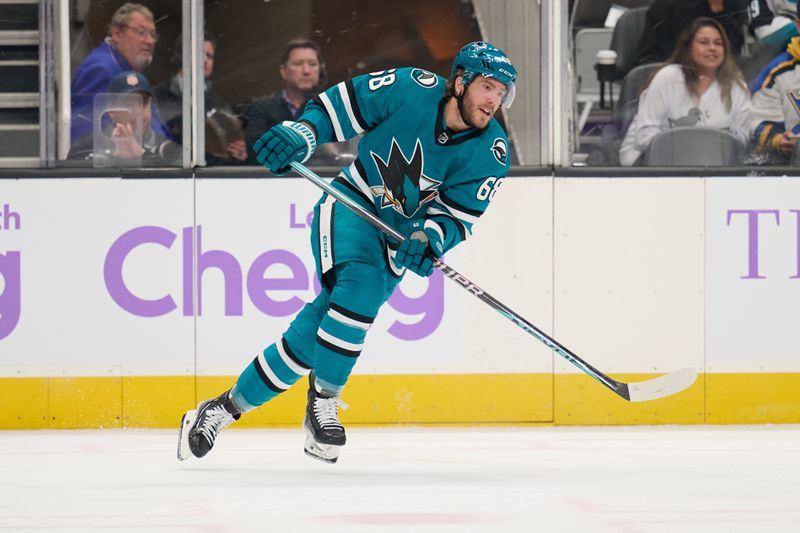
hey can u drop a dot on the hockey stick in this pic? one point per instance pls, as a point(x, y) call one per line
point(635, 392)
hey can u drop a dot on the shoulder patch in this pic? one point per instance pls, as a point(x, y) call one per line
point(500, 151)
point(424, 78)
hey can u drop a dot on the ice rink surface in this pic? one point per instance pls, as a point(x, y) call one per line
point(587, 479)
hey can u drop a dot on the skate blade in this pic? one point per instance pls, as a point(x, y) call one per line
point(183, 435)
point(323, 452)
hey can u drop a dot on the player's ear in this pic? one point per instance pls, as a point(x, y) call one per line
point(459, 86)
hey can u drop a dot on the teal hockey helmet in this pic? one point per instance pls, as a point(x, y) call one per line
point(483, 58)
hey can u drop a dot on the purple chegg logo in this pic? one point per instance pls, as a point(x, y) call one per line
point(273, 296)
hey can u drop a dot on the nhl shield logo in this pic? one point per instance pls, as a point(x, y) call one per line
point(500, 151)
point(424, 78)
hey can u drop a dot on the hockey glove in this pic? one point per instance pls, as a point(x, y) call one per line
point(284, 143)
point(417, 252)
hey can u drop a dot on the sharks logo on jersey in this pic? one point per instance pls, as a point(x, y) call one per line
point(500, 151)
point(424, 78)
point(406, 188)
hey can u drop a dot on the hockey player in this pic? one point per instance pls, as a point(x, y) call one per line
point(428, 162)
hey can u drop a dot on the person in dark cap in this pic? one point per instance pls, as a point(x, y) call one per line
point(130, 130)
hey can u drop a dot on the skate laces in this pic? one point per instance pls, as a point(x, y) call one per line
point(325, 411)
point(214, 420)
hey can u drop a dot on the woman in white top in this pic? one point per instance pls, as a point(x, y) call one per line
point(699, 85)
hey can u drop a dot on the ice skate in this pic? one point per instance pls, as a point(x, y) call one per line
point(200, 427)
point(324, 433)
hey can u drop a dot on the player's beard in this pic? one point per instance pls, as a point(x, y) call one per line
point(464, 118)
point(465, 109)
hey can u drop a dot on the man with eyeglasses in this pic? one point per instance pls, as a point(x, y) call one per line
point(129, 45)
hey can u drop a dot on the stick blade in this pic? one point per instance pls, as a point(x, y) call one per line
point(662, 386)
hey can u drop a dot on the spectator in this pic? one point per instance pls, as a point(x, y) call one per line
point(130, 131)
point(667, 19)
point(772, 21)
point(169, 101)
point(775, 119)
point(302, 72)
point(128, 46)
point(699, 86)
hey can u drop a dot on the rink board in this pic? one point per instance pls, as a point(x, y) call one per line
point(61, 403)
point(127, 301)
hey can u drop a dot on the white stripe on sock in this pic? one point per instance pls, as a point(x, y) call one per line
point(324, 335)
point(294, 367)
point(262, 362)
point(347, 321)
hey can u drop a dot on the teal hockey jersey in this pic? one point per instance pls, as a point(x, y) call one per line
point(410, 167)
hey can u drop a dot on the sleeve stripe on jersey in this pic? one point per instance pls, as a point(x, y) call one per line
point(430, 224)
point(448, 202)
point(462, 227)
point(442, 222)
point(348, 108)
point(337, 127)
point(777, 70)
point(351, 104)
point(395, 271)
point(351, 92)
point(452, 204)
point(763, 133)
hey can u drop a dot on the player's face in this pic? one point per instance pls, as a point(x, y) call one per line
point(301, 71)
point(136, 40)
point(482, 99)
point(708, 50)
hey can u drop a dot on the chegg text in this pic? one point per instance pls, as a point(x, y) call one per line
point(271, 295)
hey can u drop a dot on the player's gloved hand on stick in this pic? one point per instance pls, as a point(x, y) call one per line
point(418, 251)
point(284, 143)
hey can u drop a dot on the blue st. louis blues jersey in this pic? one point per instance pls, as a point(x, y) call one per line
point(410, 167)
